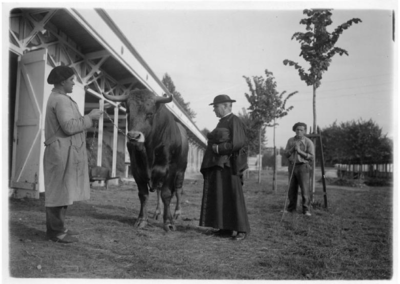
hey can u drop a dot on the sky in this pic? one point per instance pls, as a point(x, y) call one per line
point(207, 49)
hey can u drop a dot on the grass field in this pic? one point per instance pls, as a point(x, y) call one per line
point(352, 240)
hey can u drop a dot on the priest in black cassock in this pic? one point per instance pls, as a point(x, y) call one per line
point(223, 206)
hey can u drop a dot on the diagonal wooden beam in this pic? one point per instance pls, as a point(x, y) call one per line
point(37, 26)
point(96, 67)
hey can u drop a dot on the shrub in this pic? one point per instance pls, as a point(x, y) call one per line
point(341, 182)
point(378, 182)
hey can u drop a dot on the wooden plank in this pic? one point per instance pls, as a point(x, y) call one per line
point(321, 150)
point(100, 136)
point(23, 185)
point(25, 193)
point(115, 145)
point(97, 54)
point(27, 122)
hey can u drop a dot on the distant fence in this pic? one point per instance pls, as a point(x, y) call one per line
point(254, 163)
point(370, 170)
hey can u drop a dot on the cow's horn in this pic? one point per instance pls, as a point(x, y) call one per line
point(163, 100)
point(121, 98)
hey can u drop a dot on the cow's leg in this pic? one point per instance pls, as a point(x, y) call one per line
point(141, 221)
point(178, 194)
point(178, 185)
point(157, 213)
point(166, 196)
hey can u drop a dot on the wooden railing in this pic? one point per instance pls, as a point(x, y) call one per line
point(370, 170)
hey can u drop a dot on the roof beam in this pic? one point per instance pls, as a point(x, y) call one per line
point(131, 80)
point(97, 54)
point(105, 31)
point(37, 26)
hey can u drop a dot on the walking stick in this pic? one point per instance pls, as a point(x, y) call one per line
point(290, 181)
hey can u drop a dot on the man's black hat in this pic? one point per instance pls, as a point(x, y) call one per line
point(59, 74)
point(222, 99)
point(299, 124)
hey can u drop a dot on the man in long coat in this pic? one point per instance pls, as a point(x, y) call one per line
point(66, 175)
point(223, 205)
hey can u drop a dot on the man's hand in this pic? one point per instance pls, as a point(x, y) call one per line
point(297, 148)
point(95, 114)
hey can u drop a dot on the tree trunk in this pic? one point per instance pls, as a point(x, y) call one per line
point(360, 171)
point(260, 157)
point(247, 173)
point(274, 185)
point(314, 132)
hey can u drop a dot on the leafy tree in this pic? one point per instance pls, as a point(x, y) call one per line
point(252, 130)
point(169, 84)
point(356, 142)
point(334, 144)
point(285, 161)
point(385, 150)
point(318, 48)
point(268, 160)
point(266, 104)
point(362, 139)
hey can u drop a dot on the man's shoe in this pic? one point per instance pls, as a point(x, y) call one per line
point(64, 239)
point(307, 213)
point(239, 237)
point(71, 233)
point(287, 211)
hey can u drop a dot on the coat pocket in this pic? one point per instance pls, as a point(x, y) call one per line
point(74, 169)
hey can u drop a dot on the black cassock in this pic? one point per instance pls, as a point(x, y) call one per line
point(223, 205)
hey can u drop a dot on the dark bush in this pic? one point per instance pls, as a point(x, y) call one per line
point(378, 182)
point(341, 182)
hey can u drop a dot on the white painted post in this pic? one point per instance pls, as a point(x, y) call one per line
point(198, 158)
point(190, 157)
point(100, 138)
point(115, 148)
point(126, 150)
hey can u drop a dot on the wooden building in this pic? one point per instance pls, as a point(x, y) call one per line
point(90, 42)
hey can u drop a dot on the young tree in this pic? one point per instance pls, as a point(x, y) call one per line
point(252, 130)
point(266, 105)
point(169, 84)
point(317, 48)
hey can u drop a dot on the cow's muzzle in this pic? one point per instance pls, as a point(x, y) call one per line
point(136, 136)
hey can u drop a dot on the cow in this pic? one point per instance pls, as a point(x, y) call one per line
point(158, 149)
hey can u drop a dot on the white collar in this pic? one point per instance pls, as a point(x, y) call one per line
point(226, 115)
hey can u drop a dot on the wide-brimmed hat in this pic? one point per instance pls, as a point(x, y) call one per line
point(222, 99)
point(59, 74)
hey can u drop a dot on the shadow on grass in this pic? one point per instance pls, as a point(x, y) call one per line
point(23, 233)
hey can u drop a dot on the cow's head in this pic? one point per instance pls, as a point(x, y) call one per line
point(141, 107)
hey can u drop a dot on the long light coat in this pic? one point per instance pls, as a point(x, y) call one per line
point(66, 172)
